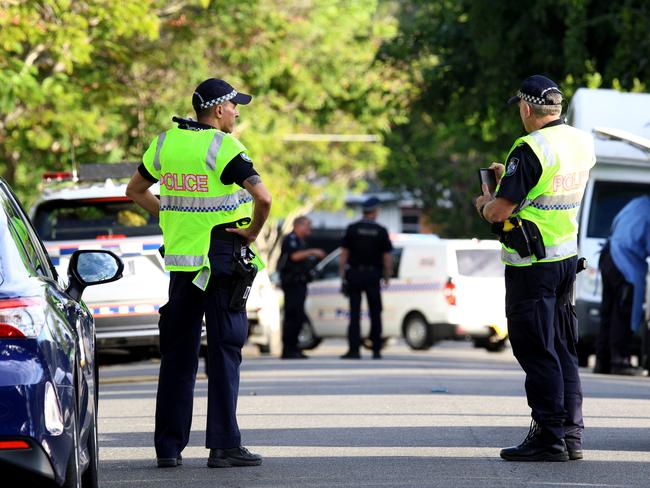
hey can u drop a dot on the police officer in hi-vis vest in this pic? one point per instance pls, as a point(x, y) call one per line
point(534, 211)
point(212, 205)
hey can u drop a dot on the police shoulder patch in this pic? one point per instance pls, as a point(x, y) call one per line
point(245, 157)
point(513, 164)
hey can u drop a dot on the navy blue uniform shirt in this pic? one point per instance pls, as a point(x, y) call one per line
point(367, 241)
point(293, 271)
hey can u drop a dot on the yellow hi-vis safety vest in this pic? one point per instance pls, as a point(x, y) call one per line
point(566, 155)
point(188, 165)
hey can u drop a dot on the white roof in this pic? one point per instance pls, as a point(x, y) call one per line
point(591, 108)
point(76, 191)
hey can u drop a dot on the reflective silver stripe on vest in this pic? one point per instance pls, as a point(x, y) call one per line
point(523, 205)
point(202, 278)
point(550, 156)
point(553, 253)
point(557, 202)
point(213, 150)
point(156, 158)
point(183, 260)
point(205, 204)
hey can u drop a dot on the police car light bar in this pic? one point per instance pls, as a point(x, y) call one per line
point(634, 140)
point(94, 172)
point(51, 176)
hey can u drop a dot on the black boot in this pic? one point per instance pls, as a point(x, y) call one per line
point(351, 355)
point(235, 456)
point(622, 365)
point(575, 453)
point(602, 366)
point(535, 447)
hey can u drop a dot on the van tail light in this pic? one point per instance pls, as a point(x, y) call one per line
point(21, 317)
point(450, 292)
point(7, 445)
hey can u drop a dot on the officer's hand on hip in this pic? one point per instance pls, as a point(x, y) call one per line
point(246, 234)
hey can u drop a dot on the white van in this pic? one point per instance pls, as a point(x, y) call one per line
point(440, 289)
point(622, 172)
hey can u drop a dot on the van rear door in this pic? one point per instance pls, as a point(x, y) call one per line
point(477, 283)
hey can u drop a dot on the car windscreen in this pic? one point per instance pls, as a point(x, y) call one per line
point(609, 197)
point(484, 263)
point(93, 218)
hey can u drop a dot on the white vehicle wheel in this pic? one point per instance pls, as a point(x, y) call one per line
point(417, 332)
point(307, 338)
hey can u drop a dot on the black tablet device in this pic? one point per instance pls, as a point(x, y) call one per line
point(489, 177)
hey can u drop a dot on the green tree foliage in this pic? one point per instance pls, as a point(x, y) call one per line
point(47, 110)
point(465, 58)
point(94, 80)
point(98, 80)
point(311, 68)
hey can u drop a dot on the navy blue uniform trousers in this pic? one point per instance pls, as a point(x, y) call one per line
point(295, 295)
point(615, 333)
point(542, 328)
point(180, 339)
point(367, 281)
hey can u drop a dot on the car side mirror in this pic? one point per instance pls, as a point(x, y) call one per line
point(89, 267)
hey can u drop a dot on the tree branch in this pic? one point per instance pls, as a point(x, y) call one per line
point(171, 9)
point(32, 57)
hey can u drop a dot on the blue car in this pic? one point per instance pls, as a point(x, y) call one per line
point(48, 377)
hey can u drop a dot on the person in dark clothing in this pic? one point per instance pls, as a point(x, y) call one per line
point(623, 268)
point(294, 265)
point(365, 259)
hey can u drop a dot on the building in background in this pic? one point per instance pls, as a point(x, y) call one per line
point(399, 213)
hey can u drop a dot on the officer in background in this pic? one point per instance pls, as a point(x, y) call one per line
point(294, 265)
point(534, 211)
point(212, 205)
point(365, 259)
point(624, 269)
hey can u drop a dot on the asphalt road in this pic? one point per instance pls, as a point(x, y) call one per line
point(420, 419)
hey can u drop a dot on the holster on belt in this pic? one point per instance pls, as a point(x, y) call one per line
point(523, 236)
point(244, 271)
point(244, 274)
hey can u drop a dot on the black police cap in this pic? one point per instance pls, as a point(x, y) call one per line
point(371, 203)
point(213, 91)
point(535, 89)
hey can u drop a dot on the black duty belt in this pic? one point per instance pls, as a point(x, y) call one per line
point(364, 268)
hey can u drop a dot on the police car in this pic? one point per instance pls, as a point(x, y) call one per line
point(90, 210)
